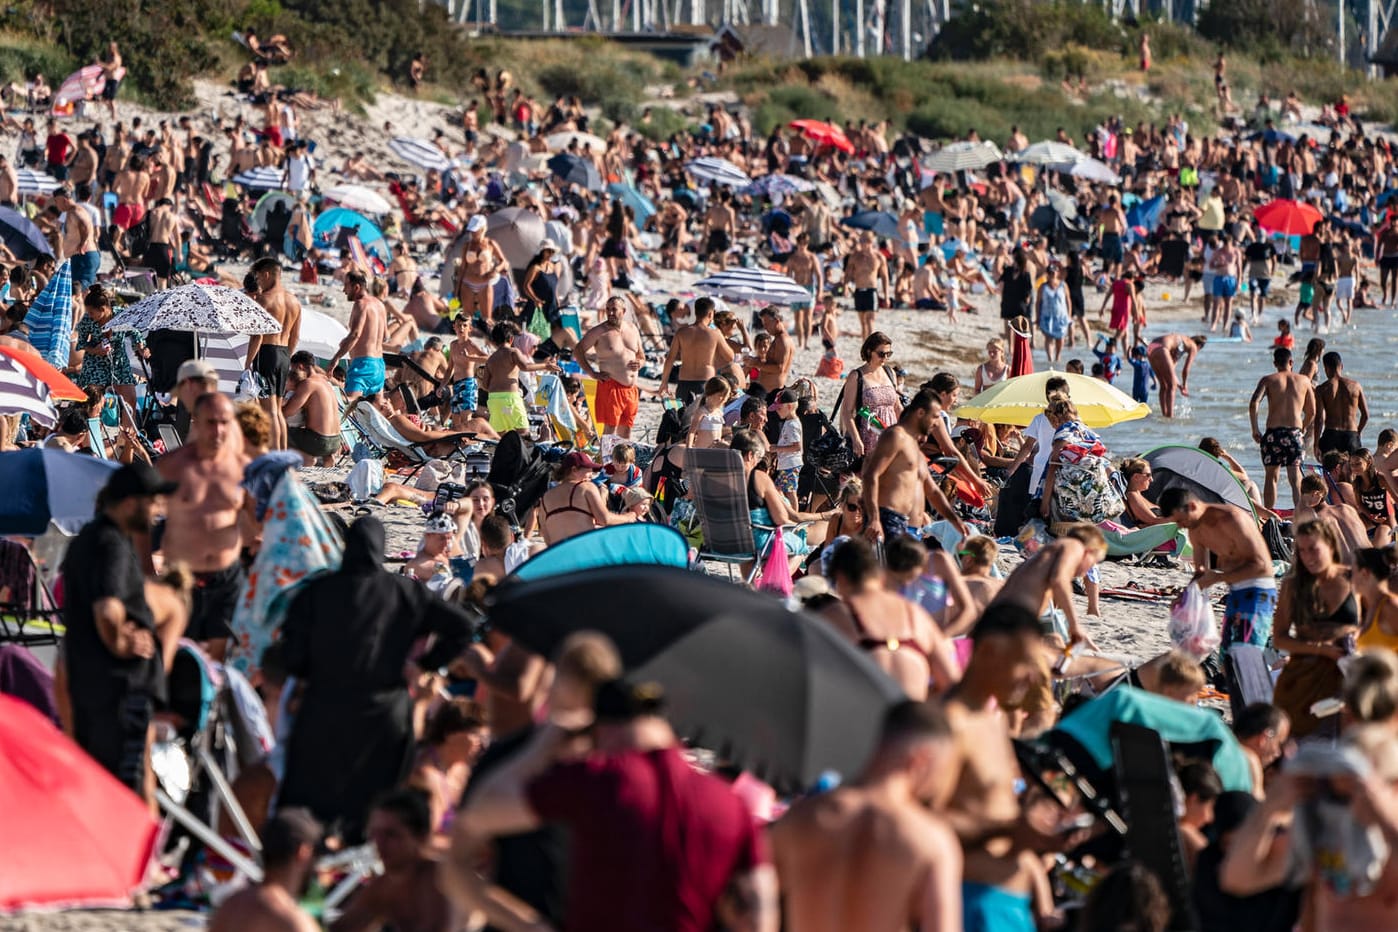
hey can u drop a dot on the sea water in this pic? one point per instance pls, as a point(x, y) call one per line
point(1225, 374)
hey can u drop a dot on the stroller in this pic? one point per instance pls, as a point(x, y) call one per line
point(215, 726)
point(519, 475)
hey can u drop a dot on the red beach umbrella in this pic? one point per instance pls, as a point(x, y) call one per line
point(827, 134)
point(70, 834)
point(1291, 218)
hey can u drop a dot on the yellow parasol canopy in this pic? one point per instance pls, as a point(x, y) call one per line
point(1018, 400)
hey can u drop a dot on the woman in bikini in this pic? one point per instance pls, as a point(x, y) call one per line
point(1375, 505)
point(453, 740)
point(576, 505)
point(479, 271)
point(898, 636)
point(1373, 568)
point(1140, 511)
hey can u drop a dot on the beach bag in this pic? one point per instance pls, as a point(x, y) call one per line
point(251, 387)
point(1192, 625)
point(1084, 491)
point(539, 324)
point(776, 571)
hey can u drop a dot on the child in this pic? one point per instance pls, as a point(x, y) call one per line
point(1141, 374)
point(1074, 366)
point(829, 321)
point(622, 472)
point(1285, 338)
point(496, 537)
point(788, 447)
point(1110, 361)
point(977, 557)
point(706, 424)
point(1307, 298)
point(1122, 298)
point(830, 366)
point(1098, 372)
point(1239, 328)
point(761, 345)
point(951, 290)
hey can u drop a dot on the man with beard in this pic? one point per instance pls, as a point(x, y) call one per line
point(617, 356)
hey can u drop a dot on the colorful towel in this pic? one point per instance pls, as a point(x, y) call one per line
point(50, 317)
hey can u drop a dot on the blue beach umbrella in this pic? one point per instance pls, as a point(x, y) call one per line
point(44, 485)
point(880, 222)
point(575, 170)
point(638, 202)
point(21, 236)
point(50, 317)
point(337, 218)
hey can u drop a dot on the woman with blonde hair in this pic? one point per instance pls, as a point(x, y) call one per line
point(996, 367)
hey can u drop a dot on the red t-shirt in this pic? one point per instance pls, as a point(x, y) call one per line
point(654, 842)
point(56, 148)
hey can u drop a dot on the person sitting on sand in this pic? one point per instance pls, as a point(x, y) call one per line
point(1043, 583)
point(289, 841)
point(978, 555)
point(405, 895)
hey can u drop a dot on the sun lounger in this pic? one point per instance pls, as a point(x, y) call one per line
point(29, 614)
point(380, 434)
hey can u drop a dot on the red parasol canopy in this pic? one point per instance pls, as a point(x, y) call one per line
point(70, 834)
point(827, 134)
point(1291, 218)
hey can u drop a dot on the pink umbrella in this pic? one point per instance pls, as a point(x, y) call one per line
point(84, 84)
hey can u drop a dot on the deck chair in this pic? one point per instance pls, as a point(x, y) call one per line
point(720, 497)
point(1249, 678)
point(29, 614)
point(1147, 801)
point(379, 433)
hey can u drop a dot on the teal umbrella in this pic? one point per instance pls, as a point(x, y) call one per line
point(628, 195)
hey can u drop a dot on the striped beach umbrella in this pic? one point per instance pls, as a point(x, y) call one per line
point(50, 317)
point(1047, 152)
point(757, 286)
point(32, 183)
point(262, 178)
point(84, 84)
point(963, 156)
point(718, 171)
point(419, 153)
point(23, 393)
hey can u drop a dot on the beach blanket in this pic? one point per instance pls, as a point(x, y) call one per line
point(298, 542)
point(1143, 539)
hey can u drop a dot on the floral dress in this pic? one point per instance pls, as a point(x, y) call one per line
point(112, 369)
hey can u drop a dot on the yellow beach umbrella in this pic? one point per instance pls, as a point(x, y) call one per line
point(1018, 400)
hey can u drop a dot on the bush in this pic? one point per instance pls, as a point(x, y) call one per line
point(21, 59)
point(661, 123)
point(1023, 29)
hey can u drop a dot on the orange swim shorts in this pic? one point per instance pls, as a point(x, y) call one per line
point(617, 403)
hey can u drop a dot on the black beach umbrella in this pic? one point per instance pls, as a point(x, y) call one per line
point(770, 689)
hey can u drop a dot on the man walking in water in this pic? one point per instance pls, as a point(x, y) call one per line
point(1341, 410)
point(1290, 410)
point(832, 880)
point(616, 347)
point(269, 355)
point(701, 352)
point(363, 344)
point(203, 523)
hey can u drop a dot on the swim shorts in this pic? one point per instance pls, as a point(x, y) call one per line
point(1247, 616)
point(1260, 285)
point(465, 395)
point(1282, 446)
point(991, 909)
point(507, 411)
point(686, 390)
point(127, 216)
point(893, 523)
point(866, 300)
point(365, 375)
point(273, 363)
point(311, 443)
point(617, 403)
point(1389, 263)
point(213, 601)
point(1346, 441)
point(1344, 288)
point(1111, 247)
point(1225, 286)
point(787, 480)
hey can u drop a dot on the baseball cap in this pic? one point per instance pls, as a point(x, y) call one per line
point(475, 224)
point(577, 459)
point(196, 369)
point(136, 479)
point(440, 524)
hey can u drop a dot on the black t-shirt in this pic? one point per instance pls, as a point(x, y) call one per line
point(1273, 910)
point(1016, 289)
point(102, 563)
point(1259, 251)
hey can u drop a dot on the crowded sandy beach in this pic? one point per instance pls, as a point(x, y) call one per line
point(426, 521)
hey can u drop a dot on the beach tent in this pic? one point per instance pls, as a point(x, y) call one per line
point(265, 205)
point(1181, 466)
point(1146, 215)
point(619, 545)
point(328, 225)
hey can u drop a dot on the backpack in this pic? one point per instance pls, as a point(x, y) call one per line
point(1085, 491)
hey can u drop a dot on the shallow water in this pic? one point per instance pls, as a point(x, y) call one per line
point(1225, 375)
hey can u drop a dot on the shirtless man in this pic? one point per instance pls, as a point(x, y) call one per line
point(311, 412)
point(427, 310)
point(477, 272)
point(1348, 525)
point(775, 368)
point(205, 518)
point(866, 270)
point(833, 880)
point(115, 158)
point(289, 841)
point(1240, 558)
point(719, 224)
point(616, 346)
point(895, 470)
point(1291, 407)
point(130, 187)
point(1387, 254)
point(804, 268)
point(500, 379)
point(9, 183)
point(164, 227)
point(1001, 849)
point(701, 352)
point(269, 355)
point(364, 343)
point(403, 270)
point(79, 240)
point(1341, 410)
point(405, 896)
point(1043, 583)
point(83, 170)
point(465, 355)
point(1112, 220)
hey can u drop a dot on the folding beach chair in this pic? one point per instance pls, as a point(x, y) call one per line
point(380, 434)
point(719, 487)
point(29, 614)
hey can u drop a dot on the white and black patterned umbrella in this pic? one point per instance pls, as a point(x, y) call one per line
point(262, 178)
point(419, 153)
point(758, 286)
point(32, 182)
point(963, 156)
point(202, 308)
point(778, 183)
point(23, 393)
point(718, 171)
point(1047, 152)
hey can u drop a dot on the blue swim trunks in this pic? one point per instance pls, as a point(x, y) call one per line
point(365, 375)
point(1225, 286)
point(1247, 616)
point(465, 396)
point(990, 909)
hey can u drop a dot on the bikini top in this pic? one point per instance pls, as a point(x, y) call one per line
point(550, 512)
point(869, 643)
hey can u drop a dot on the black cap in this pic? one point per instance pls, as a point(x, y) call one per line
point(136, 479)
point(787, 397)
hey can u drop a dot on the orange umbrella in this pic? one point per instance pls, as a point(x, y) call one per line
point(61, 388)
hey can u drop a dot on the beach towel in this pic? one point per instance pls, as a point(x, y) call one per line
point(50, 317)
point(1143, 540)
point(298, 542)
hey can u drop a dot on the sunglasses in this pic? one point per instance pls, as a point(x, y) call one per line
point(852, 508)
point(883, 354)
